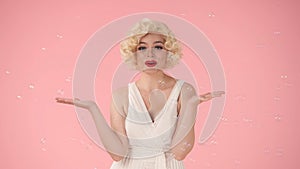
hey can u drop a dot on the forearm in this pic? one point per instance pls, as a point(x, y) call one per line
point(184, 135)
point(186, 121)
point(115, 144)
point(184, 147)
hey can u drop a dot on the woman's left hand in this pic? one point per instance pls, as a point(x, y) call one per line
point(208, 96)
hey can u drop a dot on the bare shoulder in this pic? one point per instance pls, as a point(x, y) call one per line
point(120, 99)
point(188, 99)
point(188, 90)
point(120, 93)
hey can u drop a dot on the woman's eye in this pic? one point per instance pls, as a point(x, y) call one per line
point(158, 47)
point(141, 48)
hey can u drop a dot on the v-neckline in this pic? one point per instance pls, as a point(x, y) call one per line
point(153, 120)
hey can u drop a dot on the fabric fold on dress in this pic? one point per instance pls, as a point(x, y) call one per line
point(149, 140)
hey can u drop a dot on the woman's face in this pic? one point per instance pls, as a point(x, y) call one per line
point(151, 53)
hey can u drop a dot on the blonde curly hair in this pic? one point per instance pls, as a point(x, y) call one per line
point(142, 28)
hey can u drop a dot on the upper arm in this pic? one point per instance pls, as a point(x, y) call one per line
point(184, 135)
point(188, 99)
point(117, 118)
point(118, 110)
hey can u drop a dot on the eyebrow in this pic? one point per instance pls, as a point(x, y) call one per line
point(153, 42)
point(158, 42)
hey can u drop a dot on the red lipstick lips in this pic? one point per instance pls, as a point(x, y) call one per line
point(150, 63)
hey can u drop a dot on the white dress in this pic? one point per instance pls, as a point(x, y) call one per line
point(149, 140)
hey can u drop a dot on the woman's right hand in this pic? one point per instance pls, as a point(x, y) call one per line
point(87, 104)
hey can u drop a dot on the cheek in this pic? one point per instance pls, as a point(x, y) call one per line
point(140, 60)
point(162, 60)
point(140, 63)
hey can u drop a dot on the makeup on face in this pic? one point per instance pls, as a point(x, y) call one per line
point(151, 53)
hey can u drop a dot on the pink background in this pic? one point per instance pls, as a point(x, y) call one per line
point(257, 44)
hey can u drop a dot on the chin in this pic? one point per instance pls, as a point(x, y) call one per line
point(152, 70)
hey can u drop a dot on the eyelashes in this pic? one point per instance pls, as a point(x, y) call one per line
point(157, 47)
point(141, 48)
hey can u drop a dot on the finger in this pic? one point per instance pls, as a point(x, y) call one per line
point(64, 100)
point(220, 92)
point(205, 95)
point(208, 96)
point(61, 98)
point(76, 99)
point(58, 98)
point(208, 93)
point(217, 93)
point(205, 98)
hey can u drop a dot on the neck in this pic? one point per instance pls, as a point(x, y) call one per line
point(152, 79)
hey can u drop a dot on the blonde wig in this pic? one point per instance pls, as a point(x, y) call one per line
point(145, 26)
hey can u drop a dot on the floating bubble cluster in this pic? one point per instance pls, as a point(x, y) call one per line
point(211, 15)
point(59, 36)
point(31, 86)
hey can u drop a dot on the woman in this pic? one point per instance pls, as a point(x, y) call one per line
point(152, 119)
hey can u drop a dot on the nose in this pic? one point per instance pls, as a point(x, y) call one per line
point(150, 52)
